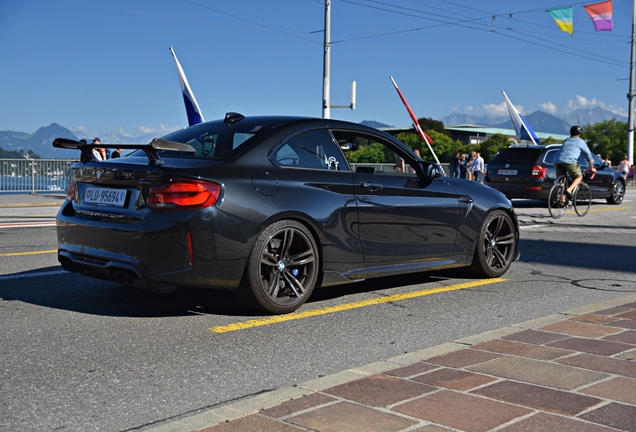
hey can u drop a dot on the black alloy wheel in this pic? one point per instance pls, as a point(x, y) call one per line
point(496, 246)
point(282, 269)
point(618, 193)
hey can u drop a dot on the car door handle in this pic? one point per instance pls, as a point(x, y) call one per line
point(466, 199)
point(371, 186)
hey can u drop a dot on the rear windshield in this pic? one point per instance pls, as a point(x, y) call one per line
point(516, 155)
point(215, 140)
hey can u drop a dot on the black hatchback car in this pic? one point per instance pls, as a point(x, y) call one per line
point(527, 171)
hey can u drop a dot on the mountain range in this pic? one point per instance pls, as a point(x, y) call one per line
point(539, 120)
point(40, 141)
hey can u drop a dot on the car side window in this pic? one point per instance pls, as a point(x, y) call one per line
point(313, 149)
point(549, 156)
point(371, 154)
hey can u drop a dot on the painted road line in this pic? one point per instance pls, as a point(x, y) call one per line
point(347, 306)
point(598, 210)
point(27, 253)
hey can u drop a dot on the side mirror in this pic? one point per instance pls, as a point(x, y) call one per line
point(431, 170)
point(349, 145)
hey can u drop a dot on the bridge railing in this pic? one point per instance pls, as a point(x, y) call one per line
point(46, 175)
point(34, 175)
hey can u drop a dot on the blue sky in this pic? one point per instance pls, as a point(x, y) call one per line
point(104, 65)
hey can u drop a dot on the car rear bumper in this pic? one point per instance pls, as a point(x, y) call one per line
point(532, 191)
point(157, 253)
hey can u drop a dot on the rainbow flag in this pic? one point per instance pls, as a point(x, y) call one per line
point(564, 18)
point(601, 14)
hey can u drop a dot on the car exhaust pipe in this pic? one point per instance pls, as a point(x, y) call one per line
point(129, 280)
point(68, 265)
point(118, 277)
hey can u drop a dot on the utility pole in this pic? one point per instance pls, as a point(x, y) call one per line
point(326, 98)
point(630, 95)
point(326, 90)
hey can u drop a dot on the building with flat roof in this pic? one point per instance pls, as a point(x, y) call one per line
point(476, 134)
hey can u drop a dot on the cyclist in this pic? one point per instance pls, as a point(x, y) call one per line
point(567, 159)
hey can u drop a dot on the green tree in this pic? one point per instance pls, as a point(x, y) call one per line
point(492, 145)
point(428, 124)
point(607, 138)
point(368, 153)
point(411, 139)
point(17, 154)
point(443, 146)
point(550, 140)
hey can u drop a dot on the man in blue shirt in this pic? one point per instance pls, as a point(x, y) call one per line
point(478, 167)
point(567, 159)
point(456, 165)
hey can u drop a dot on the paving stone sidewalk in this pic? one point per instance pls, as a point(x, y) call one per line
point(574, 371)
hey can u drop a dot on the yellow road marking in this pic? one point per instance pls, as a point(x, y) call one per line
point(27, 253)
point(610, 209)
point(347, 306)
point(593, 210)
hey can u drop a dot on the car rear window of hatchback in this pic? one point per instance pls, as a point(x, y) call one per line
point(519, 155)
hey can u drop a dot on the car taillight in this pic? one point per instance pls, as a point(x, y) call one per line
point(70, 190)
point(181, 193)
point(538, 172)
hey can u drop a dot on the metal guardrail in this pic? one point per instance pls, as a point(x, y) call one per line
point(34, 175)
point(46, 175)
point(389, 167)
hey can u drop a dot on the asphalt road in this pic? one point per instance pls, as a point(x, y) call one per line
point(83, 354)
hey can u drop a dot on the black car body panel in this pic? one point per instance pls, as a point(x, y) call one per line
point(527, 171)
point(365, 221)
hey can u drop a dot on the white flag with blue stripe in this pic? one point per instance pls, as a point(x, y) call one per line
point(191, 105)
point(524, 131)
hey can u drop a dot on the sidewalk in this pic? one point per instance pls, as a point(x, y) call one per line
point(574, 371)
point(17, 200)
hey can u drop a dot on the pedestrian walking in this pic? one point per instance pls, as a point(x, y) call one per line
point(624, 167)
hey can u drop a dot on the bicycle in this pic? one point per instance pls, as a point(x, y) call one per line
point(581, 198)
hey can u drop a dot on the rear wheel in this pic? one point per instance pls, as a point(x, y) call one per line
point(555, 200)
point(582, 199)
point(282, 269)
point(496, 245)
point(618, 193)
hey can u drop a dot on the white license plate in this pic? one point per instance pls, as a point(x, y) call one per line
point(507, 172)
point(105, 196)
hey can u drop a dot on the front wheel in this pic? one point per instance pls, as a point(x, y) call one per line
point(281, 270)
point(582, 199)
point(496, 245)
point(556, 206)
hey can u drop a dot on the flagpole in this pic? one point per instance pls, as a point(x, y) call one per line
point(630, 95)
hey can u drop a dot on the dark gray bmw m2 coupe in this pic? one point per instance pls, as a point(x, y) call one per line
point(272, 207)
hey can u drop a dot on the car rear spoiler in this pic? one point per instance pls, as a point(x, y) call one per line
point(150, 149)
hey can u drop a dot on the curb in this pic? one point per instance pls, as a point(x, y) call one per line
point(42, 204)
point(252, 405)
